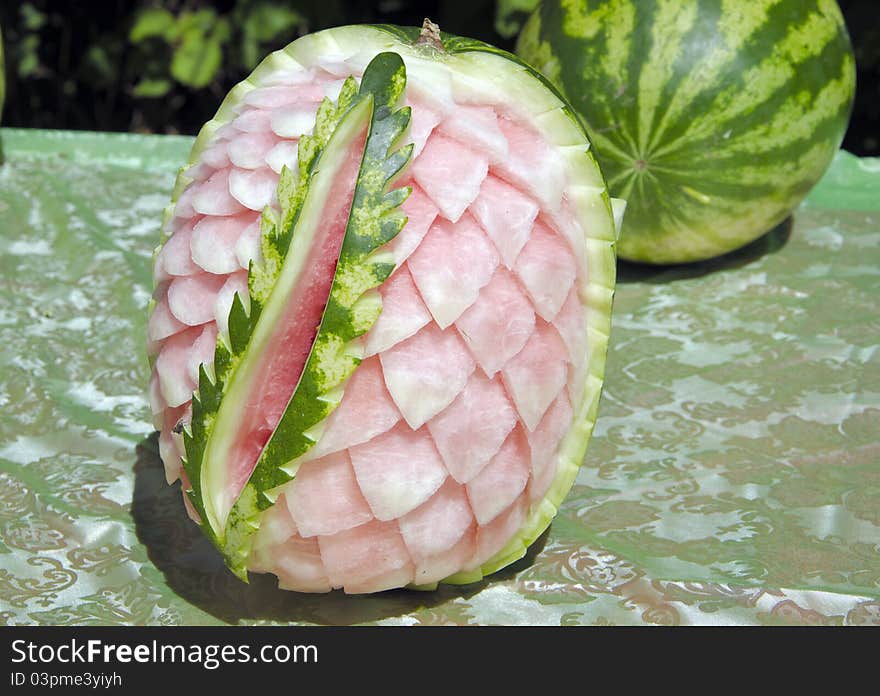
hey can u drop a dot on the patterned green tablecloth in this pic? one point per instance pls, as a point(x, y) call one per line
point(734, 476)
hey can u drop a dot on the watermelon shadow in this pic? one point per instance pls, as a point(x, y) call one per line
point(766, 244)
point(194, 570)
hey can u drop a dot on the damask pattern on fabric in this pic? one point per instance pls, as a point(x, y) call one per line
point(733, 476)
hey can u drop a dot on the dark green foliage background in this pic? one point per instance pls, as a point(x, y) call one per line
point(163, 67)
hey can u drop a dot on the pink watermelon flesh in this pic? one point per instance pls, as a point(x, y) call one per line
point(368, 558)
point(493, 536)
point(191, 298)
point(366, 411)
point(543, 441)
point(498, 324)
point(449, 429)
point(403, 313)
point(547, 269)
point(276, 527)
point(328, 498)
point(398, 470)
point(214, 197)
point(502, 480)
point(299, 565)
point(214, 239)
point(451, 265)
point(436, 525)
point(420, 212)
point(446, 563)
point(162, 322)
point(472, 429)
point(506, 215)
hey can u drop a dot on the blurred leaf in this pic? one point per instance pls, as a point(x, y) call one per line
point(32, 18)
point(264, 23)
point(28, 56)
point(152, 22)
point(222, 30)
point(510, 15)
point(151, 89)
point(197, 59)
point(99, 63)
point(267, 20)
point(203, 21)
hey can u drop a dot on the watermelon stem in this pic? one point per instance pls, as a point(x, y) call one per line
point(430, 36)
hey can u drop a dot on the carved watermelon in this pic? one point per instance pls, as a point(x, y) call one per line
point(381, 312)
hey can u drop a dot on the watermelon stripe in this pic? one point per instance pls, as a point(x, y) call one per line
point(741, 90)
point(757, 93)
point(641, 36)
point(609, 148)
point(697, 83)
point(620, 23)
point(728, 197)
point(694, 90)
point(597, 53)
point(669, 26)
point(806, 116)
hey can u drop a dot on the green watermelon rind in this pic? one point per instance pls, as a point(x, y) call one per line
point(468, 62)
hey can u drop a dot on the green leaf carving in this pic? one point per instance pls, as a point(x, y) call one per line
point(353, 305)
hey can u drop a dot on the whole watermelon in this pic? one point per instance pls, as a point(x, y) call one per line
point(713, 118)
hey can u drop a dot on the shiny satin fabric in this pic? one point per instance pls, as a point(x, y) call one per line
point(734, 476)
